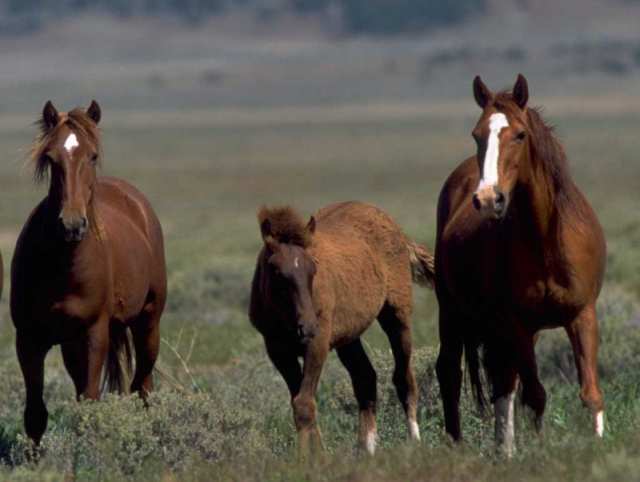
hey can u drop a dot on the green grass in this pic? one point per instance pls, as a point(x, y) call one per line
point(229, 416)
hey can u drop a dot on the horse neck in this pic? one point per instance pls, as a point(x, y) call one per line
point(538, 200)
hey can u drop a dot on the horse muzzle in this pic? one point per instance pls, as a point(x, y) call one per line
point(74, 228)
point(490, 201)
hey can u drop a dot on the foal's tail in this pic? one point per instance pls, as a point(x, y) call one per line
point(119, 366)
point(422, 265)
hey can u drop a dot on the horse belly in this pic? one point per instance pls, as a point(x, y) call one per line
point(131, 286)
point(358, 303)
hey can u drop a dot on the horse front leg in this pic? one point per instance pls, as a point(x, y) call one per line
point(583, 334)
point(304, 404)
point(31, 355)
point(449, 372)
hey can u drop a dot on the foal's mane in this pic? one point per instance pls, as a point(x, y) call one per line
point(285, 225)
point(546, 151)
point(78, 121)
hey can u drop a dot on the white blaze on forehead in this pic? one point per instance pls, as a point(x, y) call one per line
point(497, 122)
point(600, 423)
point(71, 143)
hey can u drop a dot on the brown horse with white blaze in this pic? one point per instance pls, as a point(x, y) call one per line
point(518, 250)
point(88, 265)
point(318, 286)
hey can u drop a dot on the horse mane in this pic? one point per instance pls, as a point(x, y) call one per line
point(546, 151)
point(78, 121)
point(285, 225)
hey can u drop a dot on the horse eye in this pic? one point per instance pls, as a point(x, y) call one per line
point(47, 158)
point(94, 159)
point(520, 136)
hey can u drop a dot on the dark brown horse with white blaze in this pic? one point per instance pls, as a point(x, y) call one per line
point(518, 250)
point(88, 265)
point(318, 286)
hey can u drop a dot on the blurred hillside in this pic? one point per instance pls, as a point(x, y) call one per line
point(375, 16)
point(170, 55)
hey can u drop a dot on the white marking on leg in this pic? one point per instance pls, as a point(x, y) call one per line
point(497, 122)
point(370, 442)
point(600, 424)
point(71, 143)
point(414, 430)
point(295, 262)
point(505, 435)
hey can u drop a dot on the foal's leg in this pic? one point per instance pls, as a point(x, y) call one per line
point(304, 404)
point(396, 324)
point(363, 379)
point(286, 362)
point(449, 371)
point(583, 334)
point(146, 340)
point(31, 355)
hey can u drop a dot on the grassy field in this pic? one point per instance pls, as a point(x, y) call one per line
point(221, 411)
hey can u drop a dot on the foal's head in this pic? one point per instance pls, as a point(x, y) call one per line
point(289, 269)
point(68, 148)
point(501, 136)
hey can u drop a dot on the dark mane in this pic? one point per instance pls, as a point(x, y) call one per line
point(285, 225)
point(545, 150)
point(78, 121)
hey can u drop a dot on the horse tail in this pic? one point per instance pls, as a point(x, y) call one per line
point(119, 366)
point(472, 358)
point(422, 265)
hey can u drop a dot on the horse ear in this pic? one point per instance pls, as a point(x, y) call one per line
point(481, 92)
point(311, 226)
point(50, 116)
point(94, 112)
point(521, 91)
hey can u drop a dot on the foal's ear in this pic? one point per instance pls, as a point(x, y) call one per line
point(481, 92)
point(50, 116)
point(521, 91)
point(268, 239)
point(94, 112)
point(310, 229)
point(265, 229)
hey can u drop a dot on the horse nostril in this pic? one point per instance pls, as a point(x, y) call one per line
point(84, 223)
point(476, 202)
point(499, 200)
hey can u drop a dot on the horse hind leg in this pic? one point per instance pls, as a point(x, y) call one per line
point(31, 357)
point(583, 334)
point(397, 326)
point(146, 340)
point(363, 379)
point(534, 395)
point(75, 355)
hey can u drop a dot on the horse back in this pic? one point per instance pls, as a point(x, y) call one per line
point(363, 263)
